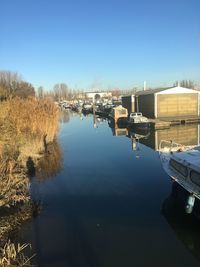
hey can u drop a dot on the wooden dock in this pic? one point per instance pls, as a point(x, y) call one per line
point(166, 123)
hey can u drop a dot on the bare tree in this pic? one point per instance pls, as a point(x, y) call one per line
point(11, 84)
point(40, 92)
point(185, 83)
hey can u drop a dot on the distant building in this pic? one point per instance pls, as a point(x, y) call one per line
point(97, 95)
point(165, 103)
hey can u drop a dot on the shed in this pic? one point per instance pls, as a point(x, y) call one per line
point(118, 112)
point(128, 102)
point(168, 102)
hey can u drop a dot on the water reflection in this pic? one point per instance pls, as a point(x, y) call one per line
point(116, 129)
point(185, 226)
point(97, 120)
point(51, 164)
point(64, 116)
point(182, 134)
point(103, 209)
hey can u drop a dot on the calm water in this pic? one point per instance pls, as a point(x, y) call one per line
point(111, 204)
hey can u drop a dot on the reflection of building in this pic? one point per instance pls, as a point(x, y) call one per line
point(164, 103)
point(120, 131)
point(188, 134)
point(116, 130)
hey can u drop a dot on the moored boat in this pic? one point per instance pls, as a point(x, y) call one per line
point(137, 120)
point(182, 164)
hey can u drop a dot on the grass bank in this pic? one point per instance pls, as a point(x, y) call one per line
point(27, 126)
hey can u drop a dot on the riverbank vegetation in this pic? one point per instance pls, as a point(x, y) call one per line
point(27, 125)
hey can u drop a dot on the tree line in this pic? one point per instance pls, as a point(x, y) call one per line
point(12, 85)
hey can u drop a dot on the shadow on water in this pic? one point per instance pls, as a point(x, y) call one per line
point(186, 226)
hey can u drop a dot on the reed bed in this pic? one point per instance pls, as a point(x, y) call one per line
point(13, 183)
point(12, 255)
point(30, 123)
point(26, 127)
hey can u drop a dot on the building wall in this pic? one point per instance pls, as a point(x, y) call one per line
point(128, 102)
point(145, 104)
point(177, 105)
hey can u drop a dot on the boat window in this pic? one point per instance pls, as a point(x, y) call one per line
point(195, 177)
point(179, 167)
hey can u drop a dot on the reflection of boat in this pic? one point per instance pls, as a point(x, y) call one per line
point(182, 164)
point(87, 108)
point(140, 131)
point(185, 227)
point(136, 120)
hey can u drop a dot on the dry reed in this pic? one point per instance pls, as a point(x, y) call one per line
point(13, 182)
point(26, 126)
point(12, 255)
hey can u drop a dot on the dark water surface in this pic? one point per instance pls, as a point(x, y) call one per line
point(110, 205)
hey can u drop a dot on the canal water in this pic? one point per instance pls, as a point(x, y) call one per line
point(106, 201)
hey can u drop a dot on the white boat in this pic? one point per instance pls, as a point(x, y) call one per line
point(137, 120)
point(182, 164)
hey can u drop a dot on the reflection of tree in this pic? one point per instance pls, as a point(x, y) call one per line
point(51, 163)
point(64, 116)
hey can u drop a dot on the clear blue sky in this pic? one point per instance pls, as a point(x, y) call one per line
point(104, 43)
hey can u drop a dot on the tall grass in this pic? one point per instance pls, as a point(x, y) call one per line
point(26, 126)
point(35, 117)
point(28, 123)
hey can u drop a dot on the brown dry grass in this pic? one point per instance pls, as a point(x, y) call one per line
point(23, 120)
point(12, 255)
point(13, 182)
point(26, 125)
